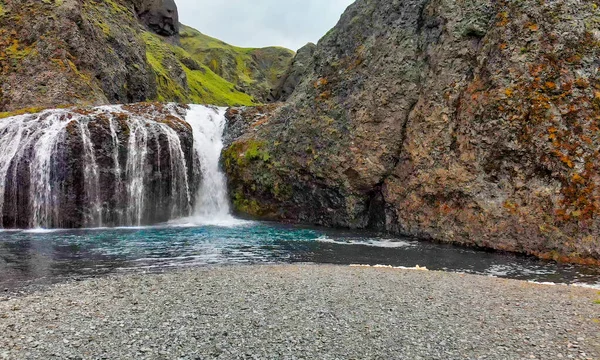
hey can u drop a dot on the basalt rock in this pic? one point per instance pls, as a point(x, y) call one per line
point(474, 122)
point(160, 16)
point(297, 71)
point(71, 52)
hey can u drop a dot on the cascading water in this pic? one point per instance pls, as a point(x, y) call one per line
point(108, 166)
point(129, 165)
point(212, 202)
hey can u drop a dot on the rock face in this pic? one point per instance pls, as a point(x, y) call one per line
point(473, 122)
point(71, 52)
point(160, 16)
point(299, 68)
point(108, 166)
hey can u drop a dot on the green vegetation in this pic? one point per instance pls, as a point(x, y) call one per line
point(32, 110)
point(110, 64)
point(246, 206)
point(243, 153)
point(201, 85)
point(254, 71)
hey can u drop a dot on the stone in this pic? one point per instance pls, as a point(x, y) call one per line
point(299, 67)
point(160, 16)
point(468, 122)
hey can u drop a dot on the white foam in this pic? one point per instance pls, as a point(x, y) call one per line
point(40, 231)
point(506, 270)
point(418, 268)
point(200, 221)
point(587, 286)
point(367, 242)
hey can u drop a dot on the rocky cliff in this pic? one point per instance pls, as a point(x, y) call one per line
point(475, 122)
point(296, 71)
point(86, 52)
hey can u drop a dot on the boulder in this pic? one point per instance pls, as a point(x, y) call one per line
point(160, 16)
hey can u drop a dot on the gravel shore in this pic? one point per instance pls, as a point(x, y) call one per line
point(301, 312)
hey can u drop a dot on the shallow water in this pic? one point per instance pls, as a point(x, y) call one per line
point(43, 257)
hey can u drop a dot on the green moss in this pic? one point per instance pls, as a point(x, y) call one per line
point(31, 110)
point(597, 302)
point(203, 86)
point(257, 70)
point(243, 153)
point(247, 206)
point(208, 87)
point(256, 152)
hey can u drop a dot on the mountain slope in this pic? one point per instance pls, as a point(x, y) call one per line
point(253, 71)
point(181, 79)
point(87, 52)
point(473, 122)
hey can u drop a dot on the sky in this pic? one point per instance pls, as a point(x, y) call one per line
point(260, 23)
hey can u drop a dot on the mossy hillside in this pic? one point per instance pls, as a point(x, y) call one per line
point(92, 53)
point(57, 52)
point(177, 82)
point(253, 70)
point(68, 52)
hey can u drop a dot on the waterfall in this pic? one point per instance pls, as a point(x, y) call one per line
point(136, 161)
point(212, 201)
point(129, 165)
point(106, 166)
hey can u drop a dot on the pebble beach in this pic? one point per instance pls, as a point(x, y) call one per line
point(301, 312)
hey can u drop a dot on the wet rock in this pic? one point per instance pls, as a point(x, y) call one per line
point(130, 165)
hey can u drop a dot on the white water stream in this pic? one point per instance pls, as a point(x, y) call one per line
point(212, 202)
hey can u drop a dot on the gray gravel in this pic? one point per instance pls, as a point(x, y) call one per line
point(301, 312)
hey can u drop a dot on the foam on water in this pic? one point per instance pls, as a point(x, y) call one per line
point(225, 221)
point(40, 231)
point(382, 243)
point(505, 270)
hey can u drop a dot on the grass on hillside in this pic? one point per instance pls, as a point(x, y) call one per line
point(203, 85)
point(250, 68)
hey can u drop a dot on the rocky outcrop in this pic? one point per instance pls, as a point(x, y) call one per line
point(299, 68)
point(473, 122)
point(160, 16)
point(71, 52)
point(91, 167)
